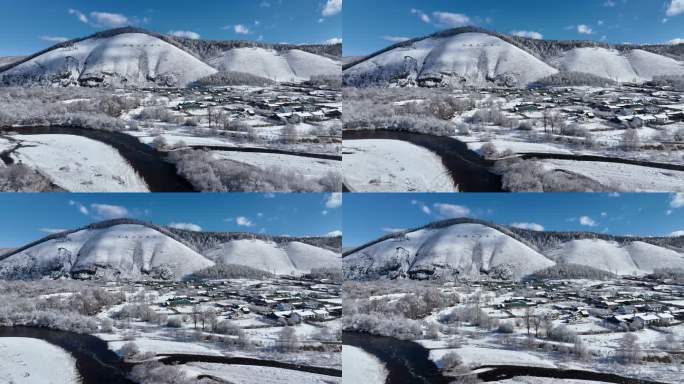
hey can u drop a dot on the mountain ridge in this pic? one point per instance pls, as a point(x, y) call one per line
point(473, 56)
point(138, 57)
point(470, 247)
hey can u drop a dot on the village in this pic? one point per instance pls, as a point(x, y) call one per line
point(253, 115)
point(286, 320)
point(629, 326)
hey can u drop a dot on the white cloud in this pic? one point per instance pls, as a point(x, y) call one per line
point(584, 29)
point(677, 200)
point(335, 233)
point(393, 230)
point(668, 212)
point(588, 221)
point(324, 212)
point(241, 29)
point(604, 214)
point(332, 7)
point(421, 15)
point(677, 233)
point(609, 3)
point(243, 221)
point(81, 208)
point(531, 226)
point(107, 19)
point(395, 39)
point(51, 231)
point(269, 195)
point(600, 22)
point(334, 40)
point(451, 210)
point(54, 39)
point(676, 41)
point(675, 8)
point(108, 211)
point(451, 19)
point(186, 226)
point(186, 34)
point(614, 194)
point(265, 4)
point(334, 200)
point(426, 210)
point(80, 15)
point(530, 34)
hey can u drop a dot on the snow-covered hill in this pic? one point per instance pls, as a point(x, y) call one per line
point(627, 66)
point(469, 248)
point(634, 258)
point(279, 258)
point(131, 58)
point(136, 57)
point(134, 249)
point(475, 57)
point(472, 59)
point(125, 250)
point(291, 65)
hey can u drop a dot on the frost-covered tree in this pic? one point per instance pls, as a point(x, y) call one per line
point(288, 340)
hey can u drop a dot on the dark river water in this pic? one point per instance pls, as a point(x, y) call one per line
point(468, 169)
point(160, 175)
point(98, 365)
point(95, 362)
point(322, 156)
point(561, 156)
point(408, 362)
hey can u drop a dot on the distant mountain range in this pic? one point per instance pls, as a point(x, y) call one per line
point(469, 248)
point(126, 248)
point(471, 56)
point(136, 57)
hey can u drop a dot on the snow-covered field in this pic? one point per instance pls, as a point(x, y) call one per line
point(477, 356)
point(307, 167)
point(249, 374)
point(622, 177)
point(393, 166)
point(32, 361)
point(79, 164)
point(361, 367)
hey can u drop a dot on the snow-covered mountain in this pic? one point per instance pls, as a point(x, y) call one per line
point(291, 65)
point(134, 249)
point(122, 250)
point(279, 258)
point(470, 248)
point(136, 57)
point(476, 57)
point(127, 58)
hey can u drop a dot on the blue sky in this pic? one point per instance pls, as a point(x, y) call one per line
point(27, 217)
point(371, 25)
point(31, 25)
point(368, 216)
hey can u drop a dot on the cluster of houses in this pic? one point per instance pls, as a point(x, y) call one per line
point(281, 103)
point(285, 301)
point(629, 303)
point(644, 106)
